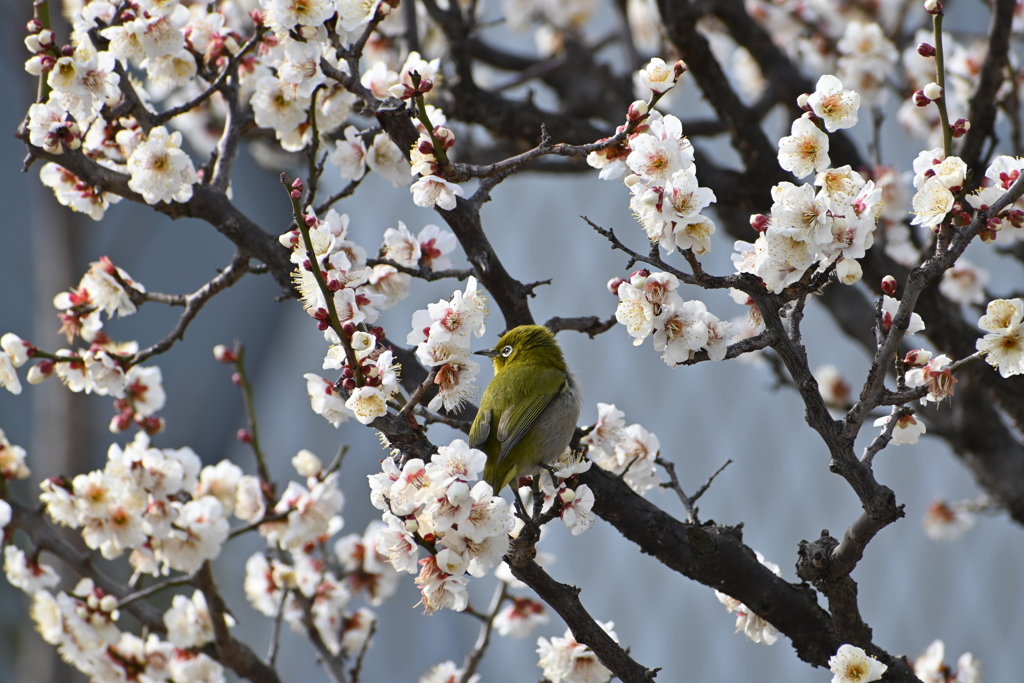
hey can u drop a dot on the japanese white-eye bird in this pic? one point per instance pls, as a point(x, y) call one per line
point(529, 410)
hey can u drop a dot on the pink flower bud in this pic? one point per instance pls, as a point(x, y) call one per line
point(297, 184)
point(349, 329)
point(426, 85)
point(920, 99)
point(679, 68)
point(310, 220)
point(46, 38)
point(295, 194)
point(257, 17)
point(759, 222)
point(926, 50)
point(637, 111)
point(34, 26)
point(933, 6)
point(614, 283)
point(801, 101)
point(244, 436)
point(236, 379)
point(889, 285)
point(224, 354)
point(378, 332)
point(643, 272)
point(349, 384)
point(960, 128)
point(67, 51)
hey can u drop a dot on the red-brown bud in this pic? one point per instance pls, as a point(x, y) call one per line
point(889, 285)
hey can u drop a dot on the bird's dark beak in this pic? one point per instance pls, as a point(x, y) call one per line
point(491, 353)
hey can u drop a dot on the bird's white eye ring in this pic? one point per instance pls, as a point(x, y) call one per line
point(506, 352)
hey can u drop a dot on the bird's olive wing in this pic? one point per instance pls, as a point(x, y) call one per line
point(481, 428)
point(516, 421)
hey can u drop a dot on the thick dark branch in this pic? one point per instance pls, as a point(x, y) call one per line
point(565, 600)
point(206, 204)
point(982, 111)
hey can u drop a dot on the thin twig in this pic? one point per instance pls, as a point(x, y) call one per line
point(193, 304)
point(417, 395)
point(275, 631)
point(484, 637)
point(182, 580)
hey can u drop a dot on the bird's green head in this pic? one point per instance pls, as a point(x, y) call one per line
point(533, 344)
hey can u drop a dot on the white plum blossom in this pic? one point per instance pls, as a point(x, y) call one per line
point(384, 157)
point(945, 522)
point(519, 617)
point(833, 105)
point(432, 190)
point(850, 664)
point(1003, 346)
point(160, 170)
point(755, 628)
point(658, 76)
point(908, 429)
point(326, 400)
point(25, 574)
point(565, 660)
point(805, 150)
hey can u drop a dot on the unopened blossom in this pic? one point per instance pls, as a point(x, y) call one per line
point(945, 522)
point(907, 431)
point(160, 170)
point(833, 105)
point(850, 664)
point(805, 150)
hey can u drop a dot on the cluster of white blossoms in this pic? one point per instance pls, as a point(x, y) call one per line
point(99, 369)
point(442, 334)
point(342, 267)
point(628, 451)
point(930, 668)
point(428, 248)
point(171, 513)
point(443, 506)
point(809, 227)
point(300, 563)
point(754, 627)
point(563, 660)
point(649, 304)
point(667, 200)
point(850, 664)
point(1003, 345)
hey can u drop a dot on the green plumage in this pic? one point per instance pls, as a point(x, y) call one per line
point(529, 410)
